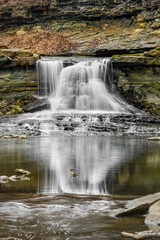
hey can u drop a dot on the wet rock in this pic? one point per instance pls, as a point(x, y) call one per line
point(15, 178)
point(22, 136)
point(3, 179)
point(138, 205)
point(153, 217)
point(154, 138)
point(126, 124)
point(7, 137)
point(14, 110)
point(22, 172)
point(37, 104)
point(15, 136)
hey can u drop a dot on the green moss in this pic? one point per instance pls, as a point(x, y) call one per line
point(128, 55)
point(153, 53)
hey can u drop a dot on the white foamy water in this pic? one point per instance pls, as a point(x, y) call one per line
point(83, 86)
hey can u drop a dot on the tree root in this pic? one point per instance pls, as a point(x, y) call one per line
point(142, 235)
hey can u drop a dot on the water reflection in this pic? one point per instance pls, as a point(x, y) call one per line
point(82, 165)
point(92, 165)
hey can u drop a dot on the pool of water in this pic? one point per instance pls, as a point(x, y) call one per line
point(75, 182)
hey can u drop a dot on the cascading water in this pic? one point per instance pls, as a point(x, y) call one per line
point(82, 86)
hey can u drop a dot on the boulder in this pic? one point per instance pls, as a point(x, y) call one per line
point(37, 104)
point(153, 217)
point(138, 205)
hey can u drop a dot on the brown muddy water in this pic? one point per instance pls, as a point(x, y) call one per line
point(75, 183)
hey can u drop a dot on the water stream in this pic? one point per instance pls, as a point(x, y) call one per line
point(80, 84)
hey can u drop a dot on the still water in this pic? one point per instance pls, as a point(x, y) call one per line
point(72, 179)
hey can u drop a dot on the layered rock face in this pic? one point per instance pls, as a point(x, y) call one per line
point(126, 30)
point(36, 11)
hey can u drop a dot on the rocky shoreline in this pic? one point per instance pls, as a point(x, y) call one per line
point(149, 207)
point(46, 123)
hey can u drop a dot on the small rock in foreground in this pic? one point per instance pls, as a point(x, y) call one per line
point(3, 179)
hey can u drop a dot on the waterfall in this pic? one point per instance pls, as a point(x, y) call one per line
point(81, 85)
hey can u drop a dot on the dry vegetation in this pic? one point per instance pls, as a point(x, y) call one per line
point(42, 42)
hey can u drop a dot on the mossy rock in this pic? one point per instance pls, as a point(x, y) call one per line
point(153, 53)
point(15, 110)
point(17, 52)
point(130, 59)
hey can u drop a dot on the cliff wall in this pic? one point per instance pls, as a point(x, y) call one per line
point(30, 11)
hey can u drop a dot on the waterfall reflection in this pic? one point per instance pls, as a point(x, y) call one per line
point(82, 164)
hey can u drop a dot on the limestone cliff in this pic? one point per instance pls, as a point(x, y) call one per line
point(103, 27)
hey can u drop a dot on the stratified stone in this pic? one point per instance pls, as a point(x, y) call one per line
point(4, 60)
point(138, 205)
point(130, 59)
point(10, 58)
point(16, 52)
point(37, 104)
